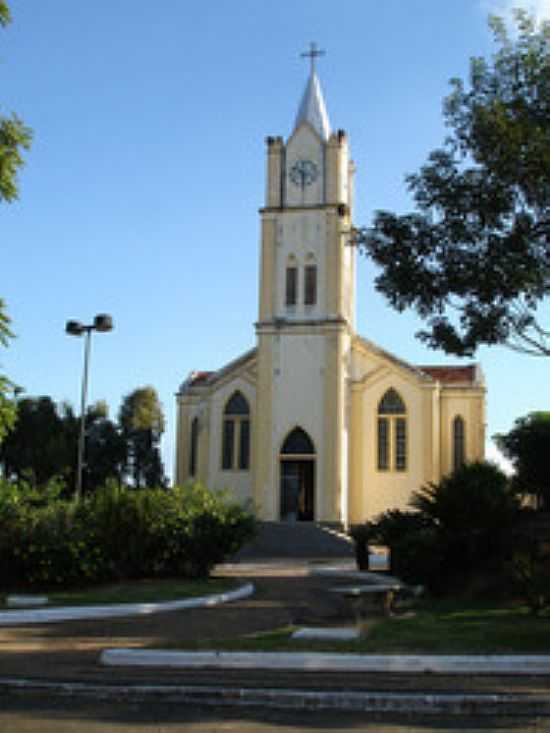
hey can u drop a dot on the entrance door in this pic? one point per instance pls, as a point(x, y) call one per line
point(297, 490)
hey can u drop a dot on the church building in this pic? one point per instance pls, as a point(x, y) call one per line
point(316, 423)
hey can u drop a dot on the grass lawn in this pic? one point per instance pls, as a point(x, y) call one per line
point(138, 591)
point(438, 627)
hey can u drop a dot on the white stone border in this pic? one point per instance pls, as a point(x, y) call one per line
point(78, 613)
point(331, 662)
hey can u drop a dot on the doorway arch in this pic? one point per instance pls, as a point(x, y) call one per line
point(297, 466)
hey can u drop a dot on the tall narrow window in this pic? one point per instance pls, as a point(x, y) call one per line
point(194, 446)
point(383, 438)
point(400, 444)
point(228, 442)
point(236, 434)
point(244, 445)
point(291, 285)
point(392, 433)
point(459, 453)
point(310, 285)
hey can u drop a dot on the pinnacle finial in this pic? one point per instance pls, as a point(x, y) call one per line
point(312, 54)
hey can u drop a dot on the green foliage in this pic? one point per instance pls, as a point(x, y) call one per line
point(115, 533)
point(474, 512)
point(526, 445)
point(43, 444)
point(7, 404)
point(142, 424)
point(5, 16)
point(478, 244)
point(476, 497)
point(105, 450)
point(530, 570)
point(37, 448)
point(460, 534)
point(411, 537)
point(15, 136)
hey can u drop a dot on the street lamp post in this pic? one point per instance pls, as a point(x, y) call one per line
point(102, 322)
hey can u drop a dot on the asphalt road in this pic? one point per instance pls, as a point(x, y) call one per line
point(36, 714)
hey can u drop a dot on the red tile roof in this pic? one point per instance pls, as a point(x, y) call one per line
point(199, 378)
point(451, 374)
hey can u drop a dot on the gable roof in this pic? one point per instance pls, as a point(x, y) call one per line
point(401, 363)
point(452, 375)
point(207, 379)
point(468, 374)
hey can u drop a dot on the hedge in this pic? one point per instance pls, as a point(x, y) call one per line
point(116, 533)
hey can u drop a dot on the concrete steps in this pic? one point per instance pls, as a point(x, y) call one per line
point(297, 540)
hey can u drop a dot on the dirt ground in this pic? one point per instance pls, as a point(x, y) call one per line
point(69, 651)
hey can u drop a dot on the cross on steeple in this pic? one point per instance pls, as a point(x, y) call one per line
point(312, 54)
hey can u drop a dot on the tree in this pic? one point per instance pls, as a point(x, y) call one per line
point(14, 137)
point(105, 449)
point(526, 445)
point(38, 448)
point(474, 260)
point(474, 498)
point(43, 444)
point(142, 424)
point(7, 404)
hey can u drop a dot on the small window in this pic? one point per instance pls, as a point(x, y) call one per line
point(236, 434)
point(194, 446)
point(459, 453)
point(291, 285)
point(310, 285)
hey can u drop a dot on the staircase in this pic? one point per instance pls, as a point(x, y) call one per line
point(297, 540)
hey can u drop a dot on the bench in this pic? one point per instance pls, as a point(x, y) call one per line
point(370, 600)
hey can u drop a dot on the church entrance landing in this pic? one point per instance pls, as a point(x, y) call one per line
point(297, 478)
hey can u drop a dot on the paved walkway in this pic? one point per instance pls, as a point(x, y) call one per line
point(68, 653)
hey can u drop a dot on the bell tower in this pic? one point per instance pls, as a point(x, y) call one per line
point(306, 310)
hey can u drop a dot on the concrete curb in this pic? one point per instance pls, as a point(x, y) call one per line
point(350, 572)
point(79, 613)
point(517, 665)
point(374, 702)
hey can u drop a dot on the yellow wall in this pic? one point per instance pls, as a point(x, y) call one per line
point(430, 407)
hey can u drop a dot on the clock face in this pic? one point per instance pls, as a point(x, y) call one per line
point(303, 173)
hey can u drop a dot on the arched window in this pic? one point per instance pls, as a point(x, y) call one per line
point(236, 434)
point(291, 296)
point(310, 281)
point(297, 442)
point(459, 444)
point(392, 432)
point(194, 447)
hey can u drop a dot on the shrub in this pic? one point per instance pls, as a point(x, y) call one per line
point(530, 573)
point(116, 533)
point(411, 538)
point(460, 535)
point(475, 512)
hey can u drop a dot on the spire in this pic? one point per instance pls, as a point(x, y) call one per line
point(312, 107)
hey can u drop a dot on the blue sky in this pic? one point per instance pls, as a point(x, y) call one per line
point(141, 191)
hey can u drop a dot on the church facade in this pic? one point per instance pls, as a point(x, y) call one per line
point(317, 423)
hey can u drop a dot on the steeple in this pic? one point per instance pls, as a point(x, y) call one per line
point(312, 108)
